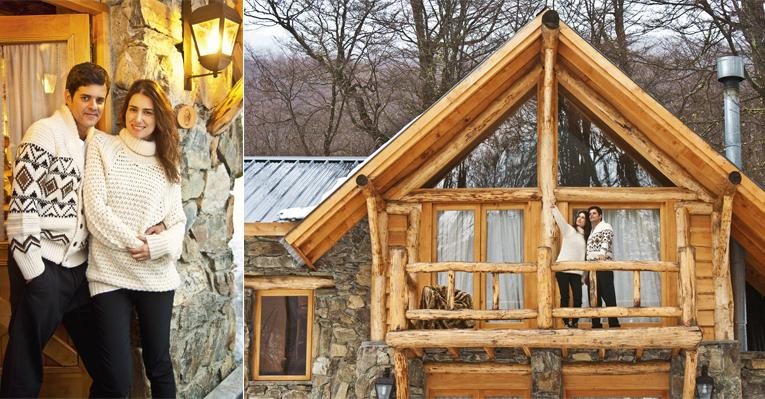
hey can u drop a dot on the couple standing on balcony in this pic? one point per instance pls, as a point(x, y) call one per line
point(591, 239)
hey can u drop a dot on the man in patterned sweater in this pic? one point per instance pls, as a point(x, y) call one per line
point(600, 246)
point(48, 235)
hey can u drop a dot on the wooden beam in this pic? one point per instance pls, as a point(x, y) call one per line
point(413, 251)
point(687, 285)
point(471, 314)
point(697, 207)
point(454, 353)
point(642, 265)
point(681, 225)
point(601, 354)
point(646, 337)
point(490, 354)
point(450, 275)
point(477, 368)
point(377, 287)
point(689, 377)
point(418, 352)
point(401, 367)
point(638, 354)
point(544, 287)
point(287, 282)
point(473, 195)
point(624, 194)
point(721, 270)
point(267, 229)
point(396, 208)
point(617, 311)
point(398, 288)
point(84, 6)
point(226, 111)
point(612, 119)
point(526, 351)
point(495, 291)
point(477, 267)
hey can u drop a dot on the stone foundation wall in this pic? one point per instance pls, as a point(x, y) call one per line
point(753, 374)
point(143, 37)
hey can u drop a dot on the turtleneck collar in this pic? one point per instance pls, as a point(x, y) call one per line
point(140, 147)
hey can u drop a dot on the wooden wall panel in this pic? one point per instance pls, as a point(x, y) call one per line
point(397, 225)
point(701, 238)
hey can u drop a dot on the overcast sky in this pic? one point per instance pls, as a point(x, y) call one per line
point(259, 37)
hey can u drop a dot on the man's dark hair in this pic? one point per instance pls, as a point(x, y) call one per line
point(86, 74)
point(595, 207)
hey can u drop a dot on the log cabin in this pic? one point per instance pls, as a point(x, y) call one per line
point(334, 298)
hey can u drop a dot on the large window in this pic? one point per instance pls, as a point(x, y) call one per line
point(496, 235)
point(283, 324)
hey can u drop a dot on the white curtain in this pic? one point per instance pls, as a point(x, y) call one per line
point(637, 236)
point(504, 244)
point(456, 232)
point(35, 76)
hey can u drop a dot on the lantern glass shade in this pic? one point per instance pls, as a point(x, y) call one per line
point(704, 384)
point(214, 28)
point(384, 385)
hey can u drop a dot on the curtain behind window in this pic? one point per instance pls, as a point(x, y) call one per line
point(456, 232)
point(637, 236)
point(504, 244)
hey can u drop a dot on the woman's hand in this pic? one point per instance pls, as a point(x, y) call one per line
point(141, 253)
point(156, 229)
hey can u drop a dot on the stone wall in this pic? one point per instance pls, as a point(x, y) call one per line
point(143, 38)
point(753, 374)
point(344, 362)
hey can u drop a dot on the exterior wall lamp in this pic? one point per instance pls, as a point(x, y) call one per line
point(213, 29)
point(704, 384)
point(385, 385)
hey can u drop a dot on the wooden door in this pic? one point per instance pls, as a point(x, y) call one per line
point(469, 385)
point(64, 374)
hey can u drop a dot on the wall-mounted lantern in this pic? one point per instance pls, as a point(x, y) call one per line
point(213, 29)
point(384, 385)
point(704, 384)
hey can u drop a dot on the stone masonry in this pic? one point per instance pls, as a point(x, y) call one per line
point(143, 38)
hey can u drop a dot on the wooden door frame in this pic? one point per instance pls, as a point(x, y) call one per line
point(99, 39)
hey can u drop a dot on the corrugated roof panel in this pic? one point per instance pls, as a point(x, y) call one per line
point(276, 183)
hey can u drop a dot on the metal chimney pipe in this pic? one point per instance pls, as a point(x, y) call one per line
point(730, 71)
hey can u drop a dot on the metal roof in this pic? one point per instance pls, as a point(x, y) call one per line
point(274, 183)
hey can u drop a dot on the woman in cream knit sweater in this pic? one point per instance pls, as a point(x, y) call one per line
point(132, 182)
point(572, 248)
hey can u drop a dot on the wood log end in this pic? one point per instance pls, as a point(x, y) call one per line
point(551, 19)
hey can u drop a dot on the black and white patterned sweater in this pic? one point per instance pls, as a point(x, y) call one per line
point(601, 242)
point(45, 216)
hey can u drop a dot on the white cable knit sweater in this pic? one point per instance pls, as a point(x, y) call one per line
point(125, 192)
point(572, 242)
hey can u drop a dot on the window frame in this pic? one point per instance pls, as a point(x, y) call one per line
point(257, 334)
point(530, 213)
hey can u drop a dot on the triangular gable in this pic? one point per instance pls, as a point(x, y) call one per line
point(459, 120)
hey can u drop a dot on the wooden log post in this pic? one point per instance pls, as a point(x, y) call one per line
point(398, 290)
point(593, 289)
point(401, 370)
point(412, 250)
point(377, 288)
point(636, 288)
point(722, 216)
point(721, 270)
point(687, 289)
point(225, 112)
point(495, 291)
point(548, 126)
point(450, 289)
point(689, 377)
point(545, 287)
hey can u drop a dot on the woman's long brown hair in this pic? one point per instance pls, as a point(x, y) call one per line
point(165, 134)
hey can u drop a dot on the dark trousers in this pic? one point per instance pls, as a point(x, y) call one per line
point(573, 280)
point(58, 295)
point(606, 294)
point(113, 313)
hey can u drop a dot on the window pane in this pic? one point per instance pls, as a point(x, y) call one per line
point(637, 236)
point(283, 335)
point(504, 243)
point(456, 232)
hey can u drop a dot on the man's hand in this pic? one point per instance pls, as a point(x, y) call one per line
point(601, 257)
point(141, 253)
point(156, 229)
